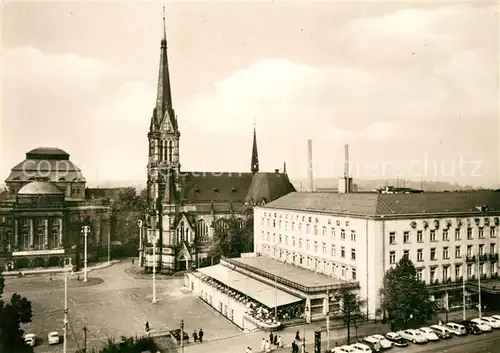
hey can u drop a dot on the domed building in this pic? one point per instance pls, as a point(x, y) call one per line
point(43, 211)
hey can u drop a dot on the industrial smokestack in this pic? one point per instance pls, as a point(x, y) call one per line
point(346, 161)
point(310, 165)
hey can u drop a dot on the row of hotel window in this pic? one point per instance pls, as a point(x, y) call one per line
point(308, 228)
point(318, 265)
point(445, 236)
point(446, 253)
point(283, 239)
point(472, 270)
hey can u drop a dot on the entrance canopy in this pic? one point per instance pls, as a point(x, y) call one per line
point(259, 291)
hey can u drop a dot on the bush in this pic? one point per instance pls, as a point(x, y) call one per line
point(127, 345)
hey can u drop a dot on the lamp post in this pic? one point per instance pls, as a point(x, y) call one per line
point(304, 329)
point(464, 272)
point(479, 287)
point(152, 240)
point(139, 224)
point(65, 320)
point(85, 231)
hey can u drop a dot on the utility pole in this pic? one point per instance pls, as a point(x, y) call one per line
point(479, 287)
point(276, 293)
point(65, 320)
point(182, 335)
point(139, 224)
point(464, 272)
point(109, 247)
point(85, 339)
point(85, 231)
point(328, 320)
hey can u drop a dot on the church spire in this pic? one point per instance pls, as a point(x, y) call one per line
point(164, 112)
point(284, 167)
point(255, 153)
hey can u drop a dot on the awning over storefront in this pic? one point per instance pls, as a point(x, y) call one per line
point(259, 291)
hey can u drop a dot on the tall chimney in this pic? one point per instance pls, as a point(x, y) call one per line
point(310, 165)
point(346, 161)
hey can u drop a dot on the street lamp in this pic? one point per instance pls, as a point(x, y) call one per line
point(139, 224)
point(152, 239)
point(85, 231)
point(65, 320)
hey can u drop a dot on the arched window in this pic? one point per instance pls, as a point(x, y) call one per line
point(241, 223)
point(182, 232)
point(202, 231)
point(170, 151)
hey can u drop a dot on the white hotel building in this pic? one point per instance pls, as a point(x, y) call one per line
point(359, 236)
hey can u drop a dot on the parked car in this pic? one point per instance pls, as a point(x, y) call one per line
point(429, 334)
point(496, 317)
point(456, 329)
point(343, 349)
point(396, 340)
point(30, 339)
point(53, 338)
point(441, 331)
point(384, 342)
point(414, 336)
point(491, 321)
point(476, 327)
point(361, 348)
point(373, 343)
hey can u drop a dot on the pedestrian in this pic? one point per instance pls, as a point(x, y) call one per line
point(297, 335)
point(147, 326)
point(263, 345)
point(271, 338)
point(275, 342)
point(248, 350)
point(268, 347)
point(279, 342)
point(200, 335)
point(295, 347)
point(195, 336)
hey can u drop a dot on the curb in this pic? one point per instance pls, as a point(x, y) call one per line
point(56, 270)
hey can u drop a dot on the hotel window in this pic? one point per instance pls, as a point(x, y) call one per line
point(469, 270)
point(469, 250)
point(342, 234)
point(445, 273)
point(286, 225)
point(481, 249)
point(279, 225)
point(420, 237)
point(420, 276)
point(315, 230)
point(433, 235)
point(353, 273)
point(432, 275)
point(308, 228)
point(392, 238)
point(333, 250)
point(392, 257)
point(274, 237)
point(293, 241)
point(406, 253)
point(262, 222)
point(353, 235)
point(293, 225)
point(343, 271)
point(481, 233)
point(333, 233)
point(492, 248)
point(274, 223)
point(280, 239)
point(286, 240)
point(420, 255)
point(263, 235)
point(324, 231)
point(492, 233)
point(353, 254)
point(458, 234)
point(458, 252)
point(446, 237)
point(446, 255)
point(268, 236)
point(300, 259)
point(433, 254)
point(406, 237)
point(308, 262)
point(300, 227)
point(458, 271)
point(268, 223)
point(324, 248)
point(469, 233)
point(315, 246)
point(308, 245)
point(334, 268)
point(300, 243)
point(342, 252)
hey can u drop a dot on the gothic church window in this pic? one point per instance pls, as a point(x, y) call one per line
point(202, 230)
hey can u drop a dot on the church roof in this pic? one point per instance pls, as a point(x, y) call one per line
point(40, 188)
point(375, 204)
point(269, 186)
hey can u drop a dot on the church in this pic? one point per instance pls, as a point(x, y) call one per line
point(185, 207)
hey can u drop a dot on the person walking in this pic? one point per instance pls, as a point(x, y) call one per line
point(147, 326)
point(263, 345)
point(271, 338)
point(275, 341)
point(248, 350)
point(195, 336)
point(297, 335)
point(268, 346)
point(295, 348)
point(279, 342)
point(200, 335)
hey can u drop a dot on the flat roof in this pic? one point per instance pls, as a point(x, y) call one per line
point(289, 272)
point(259, 291)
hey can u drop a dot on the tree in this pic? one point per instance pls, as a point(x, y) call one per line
point(126, 345)
point(12, 314)
point(233, 236)
point(406, 299)
point(351, 310)
point(129, 207)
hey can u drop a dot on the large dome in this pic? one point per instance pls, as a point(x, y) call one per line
point(40, 188)
point(46, 163)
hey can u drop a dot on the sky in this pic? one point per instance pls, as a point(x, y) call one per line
point(412, 87)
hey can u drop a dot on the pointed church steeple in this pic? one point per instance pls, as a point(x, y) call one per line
point(164, 111)
point(284, 167)
point(255, 153)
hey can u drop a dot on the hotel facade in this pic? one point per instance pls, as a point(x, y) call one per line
point(359, 236)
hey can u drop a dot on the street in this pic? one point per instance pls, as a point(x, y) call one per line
point(113, 304)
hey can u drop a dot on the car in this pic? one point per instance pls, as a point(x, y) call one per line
point(481, 325)
point(371, 342)
point(496, 317)
point(441, 331)
point(361, 348)
point(396, 340)
point(53, 338)
point(429, 334)
point(456, 329)
point(343, 349)
point(413, 335)
point(30, 339)
point(384, 342)
point(491, 321)
point(472, 327)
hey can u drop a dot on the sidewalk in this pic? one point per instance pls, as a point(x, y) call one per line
point(49, 271)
